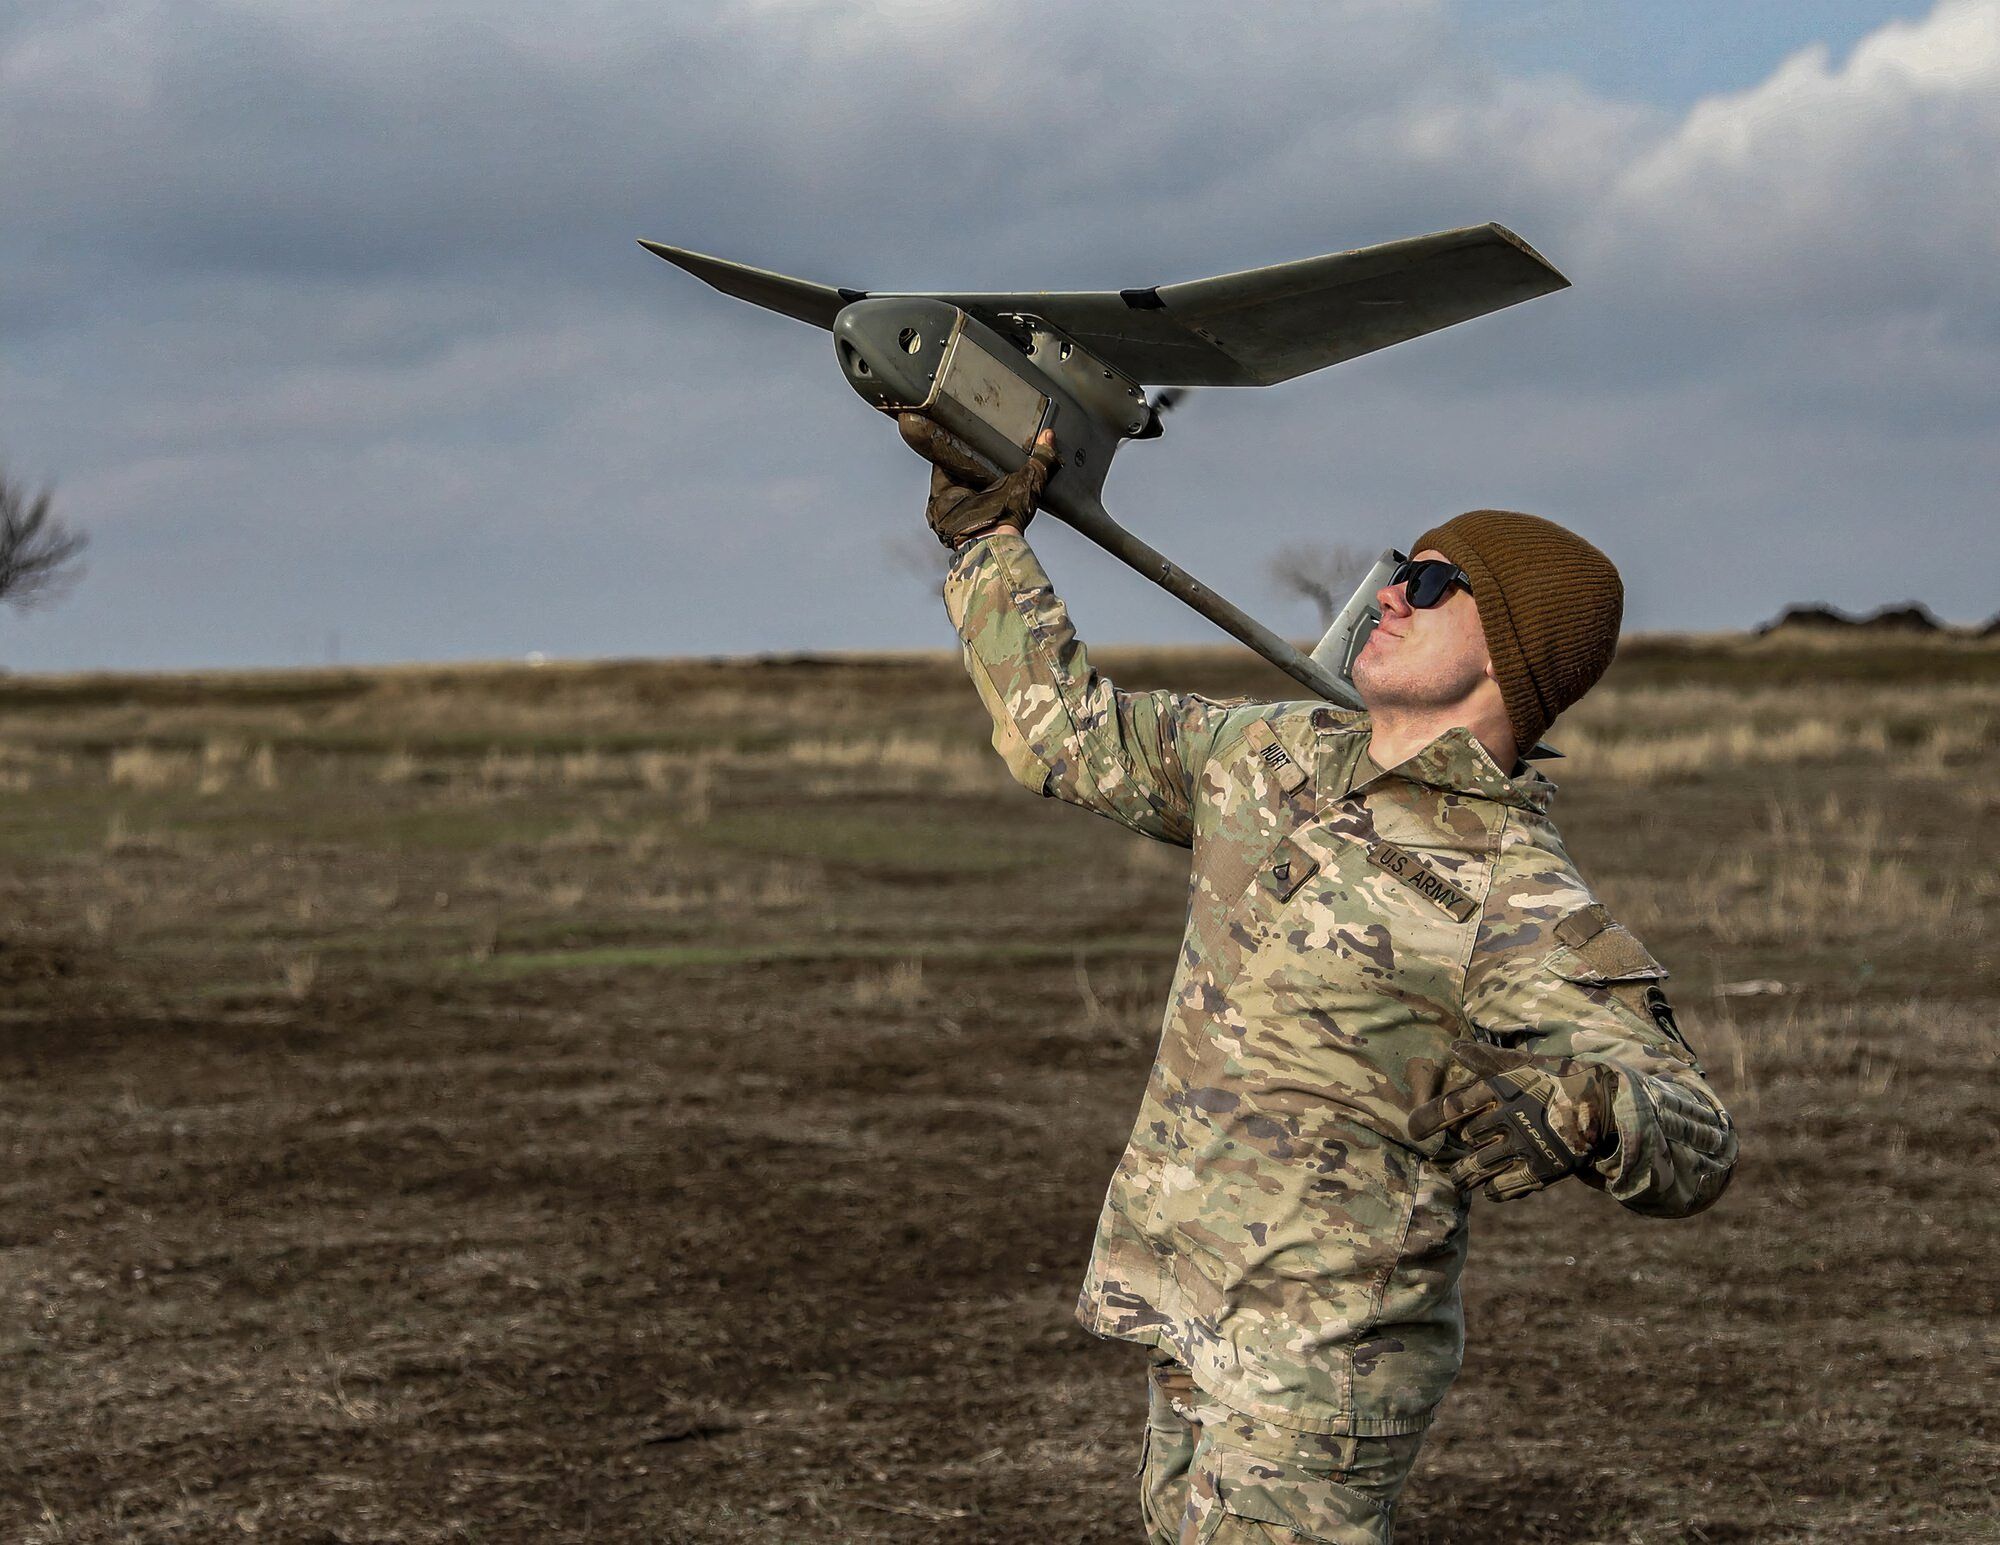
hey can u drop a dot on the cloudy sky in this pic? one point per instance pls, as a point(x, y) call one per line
point(327, 322)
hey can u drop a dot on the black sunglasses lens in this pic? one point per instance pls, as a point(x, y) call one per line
point(1427, 583)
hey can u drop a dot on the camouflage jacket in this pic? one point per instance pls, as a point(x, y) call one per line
point(1271, 1222)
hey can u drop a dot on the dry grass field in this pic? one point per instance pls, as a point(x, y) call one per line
point(670, 1102)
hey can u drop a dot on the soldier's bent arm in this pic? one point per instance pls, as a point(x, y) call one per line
point(1063, 729)
point(1553, 973)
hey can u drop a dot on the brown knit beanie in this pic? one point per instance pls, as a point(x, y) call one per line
point(1549, 602)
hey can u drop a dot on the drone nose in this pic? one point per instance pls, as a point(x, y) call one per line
point(874, 385)
point(891, 348)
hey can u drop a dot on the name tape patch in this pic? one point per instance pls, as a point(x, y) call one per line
point(1263, 740)
point(1422, 879)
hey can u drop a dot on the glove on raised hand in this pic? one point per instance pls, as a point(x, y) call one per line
point(1515, 1122)
point(962, 503)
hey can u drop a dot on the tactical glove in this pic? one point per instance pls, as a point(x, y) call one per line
point(1515, 1122)
point(962, 503)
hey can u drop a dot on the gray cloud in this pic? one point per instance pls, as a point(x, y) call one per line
point(328, 316)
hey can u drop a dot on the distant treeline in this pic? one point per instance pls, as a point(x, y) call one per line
point(1908, 618)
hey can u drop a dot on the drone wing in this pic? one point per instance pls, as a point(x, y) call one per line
point(1266, 325)
point(818, 304)
point(1253, 328)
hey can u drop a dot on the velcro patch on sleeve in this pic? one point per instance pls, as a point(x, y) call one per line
point(1583, 925)
point(1609, 955)
point(1424, 880)
point(1263, 743)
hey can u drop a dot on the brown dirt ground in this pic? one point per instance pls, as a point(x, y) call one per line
point(632, 1102)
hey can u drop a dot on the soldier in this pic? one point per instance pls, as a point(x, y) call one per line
point(1394, 991)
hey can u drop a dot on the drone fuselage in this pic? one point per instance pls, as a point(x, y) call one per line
point(992, 390)
point(995, 391)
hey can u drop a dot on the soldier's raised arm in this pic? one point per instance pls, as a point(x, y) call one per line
point(1062, 728)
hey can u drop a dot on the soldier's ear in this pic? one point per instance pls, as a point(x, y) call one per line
point(1479, 632)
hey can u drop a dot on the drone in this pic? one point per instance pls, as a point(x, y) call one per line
point(994, 370)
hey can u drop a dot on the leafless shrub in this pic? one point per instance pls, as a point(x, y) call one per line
point(509, 769)
point(118, 834)
point(39, 554)
point(397, 768)
point(23, 765)
point(697, 795)
point(149, 767)
point(1119, 1002)
point(218, 765)
point(1324, 573)
point(900, 986)
point(587, 835)
point(299, 974)
point(917, 553)
point(593, 769)
point(657, 770)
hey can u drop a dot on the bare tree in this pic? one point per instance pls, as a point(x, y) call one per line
point(1324, 573)
point(917, 553)
point(38, 552)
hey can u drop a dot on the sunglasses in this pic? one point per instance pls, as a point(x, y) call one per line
point(1426, 581)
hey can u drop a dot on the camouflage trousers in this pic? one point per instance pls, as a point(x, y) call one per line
point(1213, 1476)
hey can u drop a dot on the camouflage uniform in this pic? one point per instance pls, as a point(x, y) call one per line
point(1272, 1225)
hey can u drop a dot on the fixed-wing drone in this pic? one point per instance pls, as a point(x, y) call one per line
point(993, 370)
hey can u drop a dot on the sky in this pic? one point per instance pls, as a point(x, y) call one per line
point(327, 322)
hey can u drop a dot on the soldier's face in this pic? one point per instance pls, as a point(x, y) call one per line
point(1430, 658)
